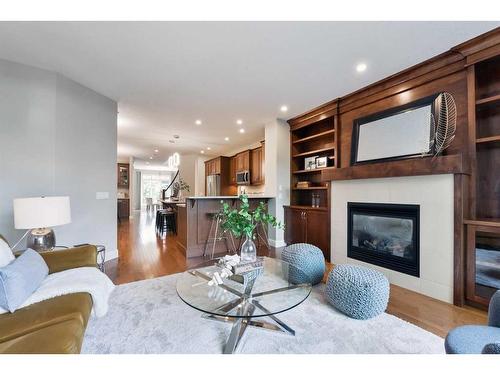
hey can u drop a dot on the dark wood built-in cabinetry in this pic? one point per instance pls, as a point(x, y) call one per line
point(483, 225)
point(470, 72)
point(123, 174)
point(307, 218)
point(308, 225)
point(123, 207)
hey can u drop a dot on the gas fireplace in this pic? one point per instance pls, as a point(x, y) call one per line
point(385, 235)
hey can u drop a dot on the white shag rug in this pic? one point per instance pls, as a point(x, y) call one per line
point(148, 317)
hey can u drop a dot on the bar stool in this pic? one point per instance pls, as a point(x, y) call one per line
point(219, 234)
point(167, 222)
point(157, 222)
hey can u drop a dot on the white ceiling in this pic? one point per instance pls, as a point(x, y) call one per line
point(165, 75)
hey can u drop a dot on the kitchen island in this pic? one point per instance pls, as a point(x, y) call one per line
point(194, 219)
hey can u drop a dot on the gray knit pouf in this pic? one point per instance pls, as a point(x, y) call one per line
point(358, 292)
point(307, 258)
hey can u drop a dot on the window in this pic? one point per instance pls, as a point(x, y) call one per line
point(152, 185)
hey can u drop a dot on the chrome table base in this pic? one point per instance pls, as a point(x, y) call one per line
point(240, 325)
point(246, 303)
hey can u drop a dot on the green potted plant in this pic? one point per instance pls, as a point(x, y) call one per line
point(243, 221)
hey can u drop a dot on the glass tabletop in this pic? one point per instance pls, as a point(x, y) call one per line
point(278, 288)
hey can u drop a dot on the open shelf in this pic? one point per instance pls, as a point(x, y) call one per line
point(308, 208)
point(486, 222)
point(488, 100)
point(312, 188)
point(312, 152)
point(495, 138)
point(315, 136)
point(317, 170)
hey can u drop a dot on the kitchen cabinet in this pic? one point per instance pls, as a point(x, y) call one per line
point(308, 225)
point(232, 170)
point(213, 166)
point(243, 161)
point(123, 175)
point(123, 208)
point(257, 166)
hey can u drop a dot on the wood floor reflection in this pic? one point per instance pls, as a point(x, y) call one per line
point(144, 255)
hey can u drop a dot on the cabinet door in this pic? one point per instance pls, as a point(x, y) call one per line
point(123, 175)
point(246, 160)
point(232, 170)
point(256, 166)
point(318, 231)
point(216, 166)
point(295, 226)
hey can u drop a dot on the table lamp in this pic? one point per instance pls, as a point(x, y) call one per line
point(38, 215)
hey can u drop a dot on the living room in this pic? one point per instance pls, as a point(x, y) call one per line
point(249, 187)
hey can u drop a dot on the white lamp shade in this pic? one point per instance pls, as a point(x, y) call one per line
point(41, 212)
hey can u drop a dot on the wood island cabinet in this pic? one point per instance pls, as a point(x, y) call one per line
point(308, 225)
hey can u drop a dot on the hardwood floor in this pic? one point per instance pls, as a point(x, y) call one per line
point(144, 255)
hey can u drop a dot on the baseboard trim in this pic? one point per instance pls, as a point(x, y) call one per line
point(277, 243)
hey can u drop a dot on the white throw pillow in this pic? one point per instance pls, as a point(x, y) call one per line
point(6, 255)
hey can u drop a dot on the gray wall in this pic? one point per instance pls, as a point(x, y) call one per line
point(58, 138)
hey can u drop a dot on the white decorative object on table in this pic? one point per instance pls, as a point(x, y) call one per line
point(226, 263)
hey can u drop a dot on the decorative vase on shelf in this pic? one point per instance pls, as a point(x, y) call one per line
point(248, 250)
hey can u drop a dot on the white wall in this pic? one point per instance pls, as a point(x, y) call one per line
point(58, 138)
point(188, 168)
point(277, 169)
point(434, 194)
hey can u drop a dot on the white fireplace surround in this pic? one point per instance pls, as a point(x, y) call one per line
point(434, 194)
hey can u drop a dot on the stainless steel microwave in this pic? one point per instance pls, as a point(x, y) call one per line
point(243, 178)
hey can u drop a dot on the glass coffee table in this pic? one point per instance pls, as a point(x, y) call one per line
point(280, 287)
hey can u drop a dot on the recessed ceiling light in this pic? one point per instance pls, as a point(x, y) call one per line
point(150, 158)
point(176, 136)
point(209, 148)
point(242, 130)
point(226, 139)
point(361, 67)
point(239, 122)
point(156, 150)
point(284, 108)
point(202, 151)
point(198, 122)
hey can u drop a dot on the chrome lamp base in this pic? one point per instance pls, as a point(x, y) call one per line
point(41, 239)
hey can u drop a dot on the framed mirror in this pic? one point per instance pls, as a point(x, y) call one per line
point(397, 133)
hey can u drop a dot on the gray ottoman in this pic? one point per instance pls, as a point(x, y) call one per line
point(358, 292)
point(307, 258)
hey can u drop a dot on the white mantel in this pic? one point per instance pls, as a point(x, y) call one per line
point(434, 194)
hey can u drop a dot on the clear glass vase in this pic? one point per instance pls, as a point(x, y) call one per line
point(248, 250)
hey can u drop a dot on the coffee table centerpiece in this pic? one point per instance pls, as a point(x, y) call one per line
point(241, 303)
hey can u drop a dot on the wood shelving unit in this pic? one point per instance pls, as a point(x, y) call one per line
point(483, 226)
point(312, 134)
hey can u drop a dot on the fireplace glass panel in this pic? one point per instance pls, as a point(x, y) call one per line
point(487, 262)
point(385, 235)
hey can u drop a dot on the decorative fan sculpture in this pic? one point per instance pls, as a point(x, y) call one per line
point(443, 128)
